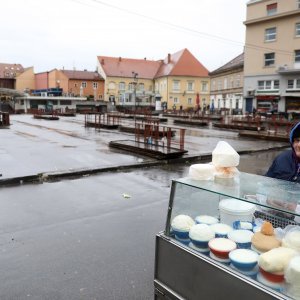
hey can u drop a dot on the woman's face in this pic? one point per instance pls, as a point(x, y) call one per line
point(296, 146)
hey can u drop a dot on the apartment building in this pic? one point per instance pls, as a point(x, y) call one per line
point(15, 76)
point(182, 81)
point(272, 56)
point(226, 88)
point(127, 79)
point(73, 83)
point(175, 82)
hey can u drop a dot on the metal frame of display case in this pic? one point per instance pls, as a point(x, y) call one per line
point(184, 273)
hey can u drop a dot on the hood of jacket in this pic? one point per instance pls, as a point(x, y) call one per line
point(295, 132)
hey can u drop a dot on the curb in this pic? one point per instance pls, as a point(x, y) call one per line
point(57, 176)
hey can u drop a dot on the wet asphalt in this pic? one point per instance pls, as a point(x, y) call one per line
point(91, 237)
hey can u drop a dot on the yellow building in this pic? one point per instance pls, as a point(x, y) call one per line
point(177, 81)
point(272, 56)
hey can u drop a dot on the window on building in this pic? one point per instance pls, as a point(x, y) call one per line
point(225, 83)
point(190, 101)
point(290, 83)
point(122, 86)
point(95, 85)
point(190, 86)
point(111, 85)
point(213, 85)
point(269, 59)
point(176, 100)
point(298, 4)
point(83, 84)
point(236, 103)
point(271, 9)
point(297, 29)
point(297, 55)
point(219, 84)
point(75, 84)
point(141, 87)
point(268, 85)
point(238, 80)
point(176, 85)
point(270, 34)
point(261, 85)
point(231, 82)
point(294, 83)
point(204, 86)
point(131, 86)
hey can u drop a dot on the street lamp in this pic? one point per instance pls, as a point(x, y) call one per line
point(135, 80)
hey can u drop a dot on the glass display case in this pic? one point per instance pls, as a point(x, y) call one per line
point(191, 266)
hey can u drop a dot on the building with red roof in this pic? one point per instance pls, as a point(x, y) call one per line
point(72, 82)
point(176, 80)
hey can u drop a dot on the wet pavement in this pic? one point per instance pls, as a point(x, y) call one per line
point(34, 146)
point(84, 238)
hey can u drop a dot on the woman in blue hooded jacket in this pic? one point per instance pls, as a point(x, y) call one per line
point(286, 165)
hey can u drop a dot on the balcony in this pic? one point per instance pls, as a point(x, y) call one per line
point(288, 69)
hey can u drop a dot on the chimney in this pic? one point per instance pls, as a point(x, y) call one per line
point(120, 59)
point(102, 61)
point(169, 58)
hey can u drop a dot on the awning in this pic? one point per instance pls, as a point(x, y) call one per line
point(291, 94)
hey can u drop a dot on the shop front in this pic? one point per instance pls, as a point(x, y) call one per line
point(292, 104)
point(267, 103)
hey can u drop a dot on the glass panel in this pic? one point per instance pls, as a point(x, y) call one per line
point(276, 84)
point(190, 86)
point(270, 34)
point(141, 87)
point(122, 86)
point(269, 59)
point(297, 55)
point(193, 198)
point(201, 197)
point(261, 85)
point(176, 85)
point(271, 9)
point(268, 84)
point(298, 29)
point(298, 83)
point(290, 84)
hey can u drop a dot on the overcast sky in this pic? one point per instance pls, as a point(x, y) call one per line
point(72, 33)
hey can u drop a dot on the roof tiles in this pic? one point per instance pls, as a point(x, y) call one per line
point(82, 75)
point(182, 63)
point(10, 70)
point(123, 67)
point(235, 63)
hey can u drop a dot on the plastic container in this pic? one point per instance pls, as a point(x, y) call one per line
point(242, 237)
point(243, 259)
point(232, 210)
